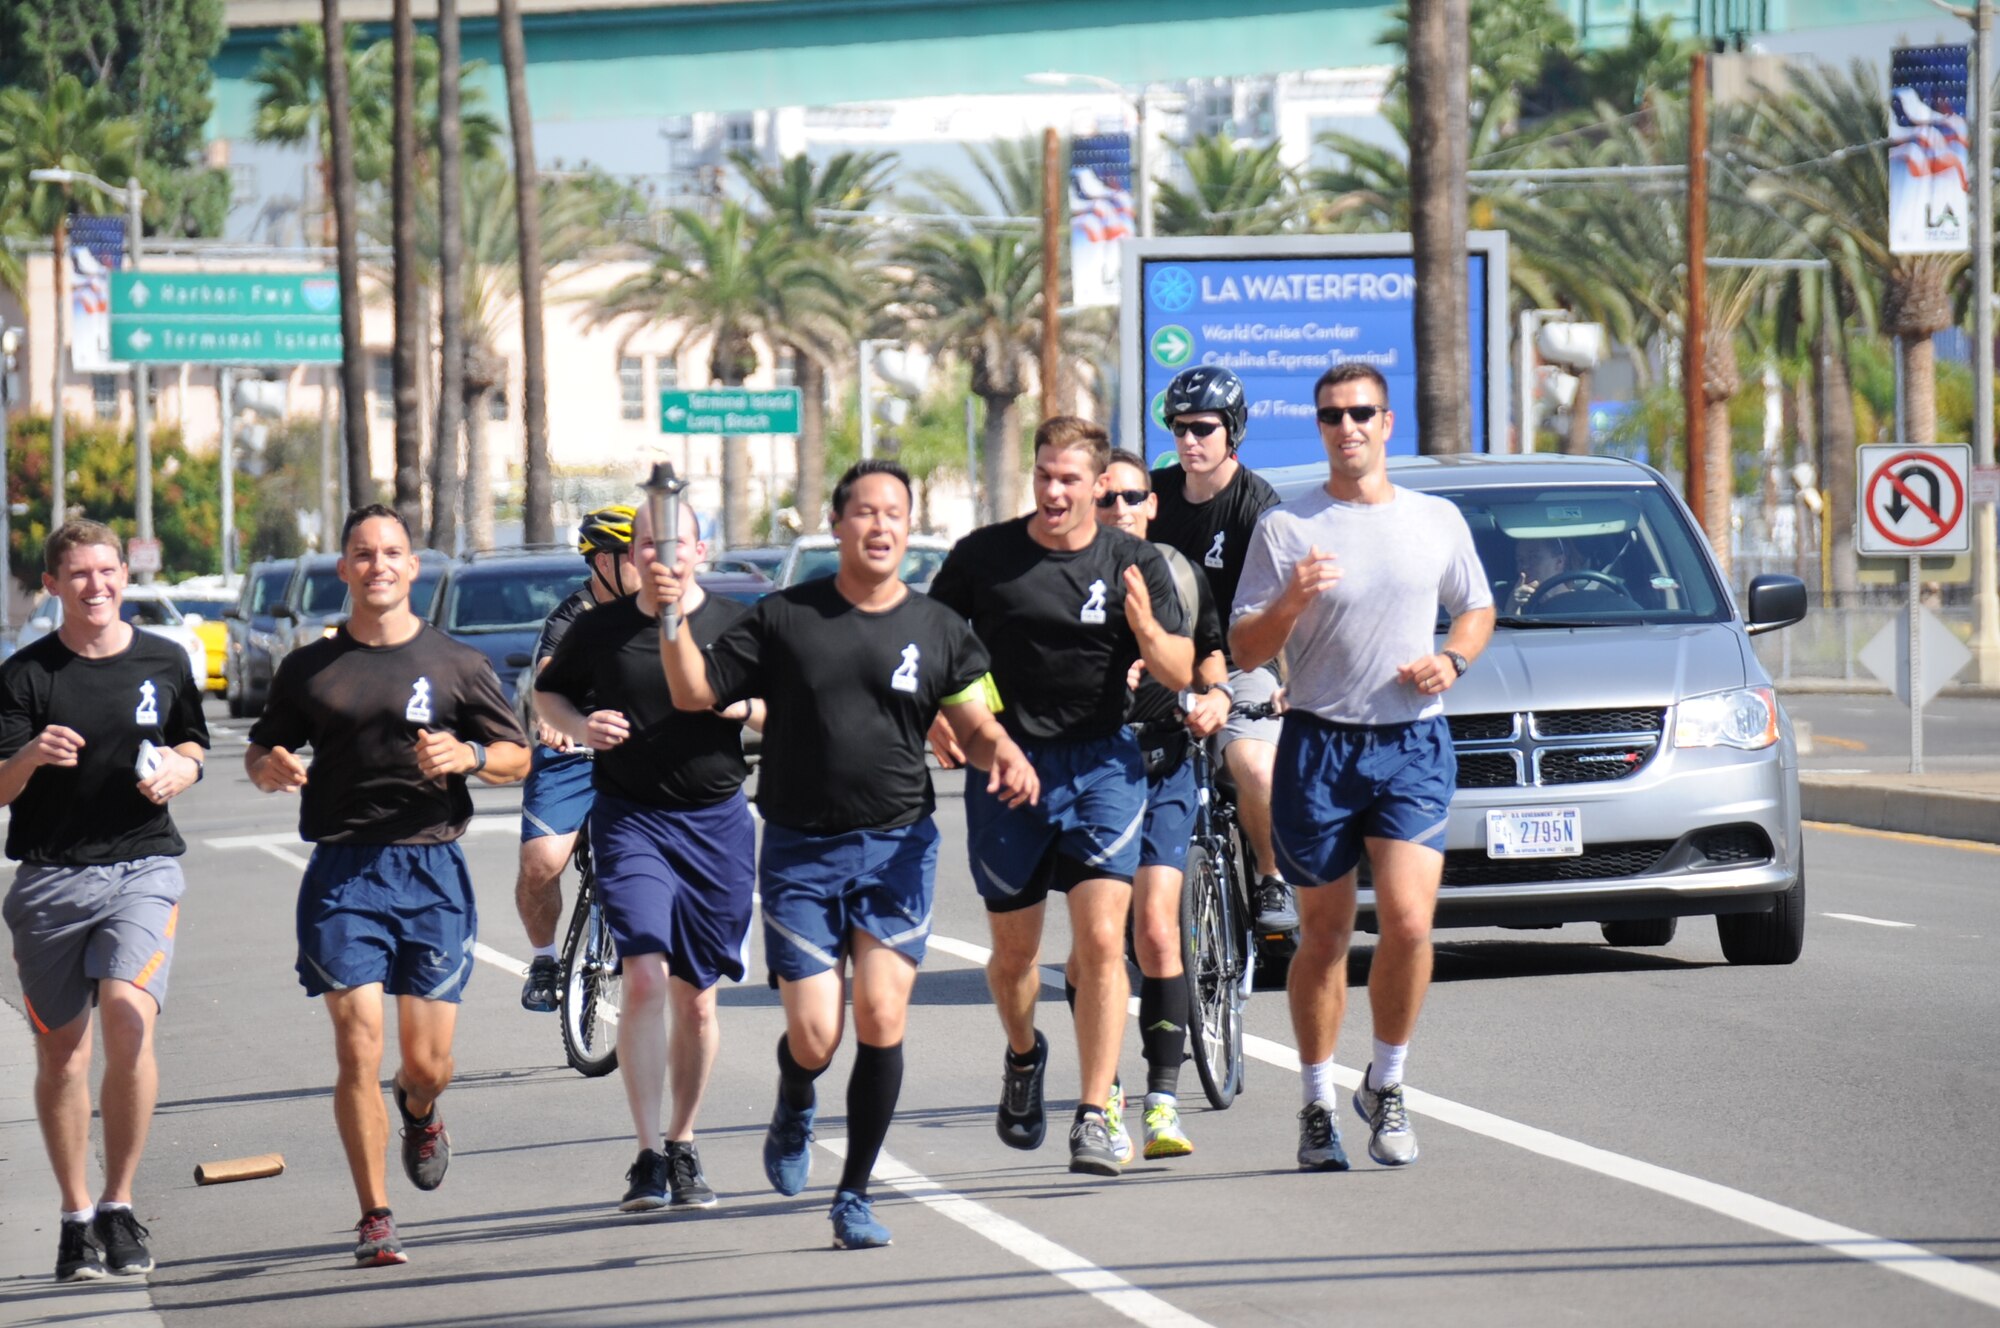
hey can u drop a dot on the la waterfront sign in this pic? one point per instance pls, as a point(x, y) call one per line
point(225, 317)
point(730, 410)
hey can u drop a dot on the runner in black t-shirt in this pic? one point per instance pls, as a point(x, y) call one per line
point(674, 848)
point(556, 797)
point(1065, 607)
point(101, 726)
point(398, 714)
point(853, 669)
point(1209, 505)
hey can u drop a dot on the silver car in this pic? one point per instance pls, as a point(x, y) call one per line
point(1622, 756)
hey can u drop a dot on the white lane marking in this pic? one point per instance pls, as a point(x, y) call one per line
point(285, 855)
point(1107, 1288)
point(505, 963)
point(1873, 922)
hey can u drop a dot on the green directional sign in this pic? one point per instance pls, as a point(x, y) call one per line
point(225, 317)
point(730, 410)
point(1173, 346)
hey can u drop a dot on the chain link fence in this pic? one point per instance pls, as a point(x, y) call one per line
point(1827, 645)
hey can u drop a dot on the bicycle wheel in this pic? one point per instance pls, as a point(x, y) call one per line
point(591, 985)
point(1209, 958)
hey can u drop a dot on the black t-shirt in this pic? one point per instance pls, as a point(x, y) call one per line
point(1054, 623)
point(674, 759)
point(359, 707)
point(849, 696)
point(1153, 703)
point(92, 813)
point(1215, 535)
point(558, 623)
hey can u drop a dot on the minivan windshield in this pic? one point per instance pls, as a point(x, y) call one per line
point(1588, 555)
point(325, 592)
point(919, 565)
point(506, 599)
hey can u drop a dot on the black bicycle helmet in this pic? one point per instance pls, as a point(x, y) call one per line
point(1209, 387)
point(607, 530)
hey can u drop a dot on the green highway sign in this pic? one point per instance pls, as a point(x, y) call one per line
point(1173, 346)
point(730, 410)
point(225, 317)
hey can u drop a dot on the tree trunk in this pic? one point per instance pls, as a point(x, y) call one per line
point(1439, 76)
point(537, 516)
point(1000, 440)
point(353, 353)
point(1836, 460)
point(1577, 441)
point(1721, 380)
point(1919, 389)
point(409, 324)
point(810, 495)
point(446, 497)
point(482, 374)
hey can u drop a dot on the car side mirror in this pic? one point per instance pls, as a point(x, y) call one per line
point(517, 659)
point(282, 611)
point(232, 615)
point(1773, 601)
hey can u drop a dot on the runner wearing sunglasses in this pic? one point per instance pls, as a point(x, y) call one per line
point(1209, 504)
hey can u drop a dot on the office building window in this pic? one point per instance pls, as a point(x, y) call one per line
point(666, 372)
point(382, 385)
point(496, 401)
point(786, 372)
point(104, 396)
point(631, 387)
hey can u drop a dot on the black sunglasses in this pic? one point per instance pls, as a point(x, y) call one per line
point(1131, 497)
point(1331, 415)
point(1199, 428)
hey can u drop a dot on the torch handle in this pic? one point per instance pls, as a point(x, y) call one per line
point(666, 548)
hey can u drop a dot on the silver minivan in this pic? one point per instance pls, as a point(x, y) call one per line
point(1622, 756)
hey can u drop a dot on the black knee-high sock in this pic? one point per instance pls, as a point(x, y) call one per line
point(795, 1081)
point(872, 1090)
point(1163, 1017)
point(1069, 995)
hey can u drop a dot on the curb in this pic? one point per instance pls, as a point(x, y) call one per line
point(1938, 813)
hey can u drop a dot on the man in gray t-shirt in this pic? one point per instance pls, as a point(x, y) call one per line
point(1346, 583)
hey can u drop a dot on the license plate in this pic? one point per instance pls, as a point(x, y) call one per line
point(1535, 832)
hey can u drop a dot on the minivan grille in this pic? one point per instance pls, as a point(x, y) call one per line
point(1471, 866)
point(1489, 770)
point(1555, 747)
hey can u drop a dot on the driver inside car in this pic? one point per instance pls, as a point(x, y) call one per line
point(1538, 561)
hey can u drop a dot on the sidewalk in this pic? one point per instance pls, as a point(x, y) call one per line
point(1957, 805)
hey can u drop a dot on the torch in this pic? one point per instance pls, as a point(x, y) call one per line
point(663, 503)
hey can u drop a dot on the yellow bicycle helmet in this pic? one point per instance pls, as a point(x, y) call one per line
point(607, 530)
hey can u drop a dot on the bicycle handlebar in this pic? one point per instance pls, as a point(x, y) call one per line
point(1239, 710)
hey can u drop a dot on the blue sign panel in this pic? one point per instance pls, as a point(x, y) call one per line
point(1279, 323)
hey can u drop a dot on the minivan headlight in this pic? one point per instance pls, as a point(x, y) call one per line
point(1745, 719)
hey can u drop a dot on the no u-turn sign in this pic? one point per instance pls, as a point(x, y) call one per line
point(1913, 500)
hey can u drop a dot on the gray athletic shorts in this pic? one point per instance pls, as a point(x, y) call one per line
point(75, 925)
point(1254, 687)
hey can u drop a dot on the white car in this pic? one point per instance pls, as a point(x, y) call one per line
point(814, 556)
point(146, 608)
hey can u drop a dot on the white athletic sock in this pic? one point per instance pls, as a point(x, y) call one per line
point(1317, 1082)
point(81, 1214)
point(543, 951)
point(1387, 1067)
point(111, 1206)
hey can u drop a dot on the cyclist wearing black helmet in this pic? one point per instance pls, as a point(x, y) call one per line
point(1209, 504)
point(557, 795)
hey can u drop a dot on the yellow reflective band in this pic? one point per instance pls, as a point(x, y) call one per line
point(984, 690)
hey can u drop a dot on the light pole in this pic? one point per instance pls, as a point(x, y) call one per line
point(130, 198)
point(1985, 530)
point(1142, 176)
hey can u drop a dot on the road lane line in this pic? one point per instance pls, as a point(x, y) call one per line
point(286, 856)
point(1848, 744)
point(1107, 1288)
point(1873, 922)
point(1904, 837)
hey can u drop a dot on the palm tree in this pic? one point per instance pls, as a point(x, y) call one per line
point(409, 320)
point(446, 476)
point(794, 194)
point(1440, 55)
point(537, 517)
point(1234, 191)
point(734, 283)
point(360, 486)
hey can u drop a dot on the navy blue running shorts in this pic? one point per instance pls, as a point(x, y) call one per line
point(398, 914)
point(678, 883)
point(1085, 828)
point(556, 797)
point(1338, 784)
point(820, 889)
point(1170, 804)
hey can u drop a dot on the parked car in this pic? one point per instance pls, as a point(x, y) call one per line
point(757, 560)
point(146, 607)
point(813, 556)
point(315, 599)
point(423, 591)
point(252, 634)
point(205, 602)
point(1622, 756)
point(497, 602)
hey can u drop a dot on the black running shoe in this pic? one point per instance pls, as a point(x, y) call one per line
point(690, 1188)
point(1319, 1139)
point(1277, 910)
point(543, 988)
point(79, 1258)
point(426, 1147)
point(1021, 1121)
point(124, 1242)
point(376, 1243)
point(1090, 1150)
point(646, 1184)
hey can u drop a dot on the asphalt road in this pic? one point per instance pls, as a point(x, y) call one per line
point(1872, 733)
point(1640, 1137)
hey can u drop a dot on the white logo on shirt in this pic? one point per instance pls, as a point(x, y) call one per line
point(418, 711)
point(1093, 608)
point(1213, 558)
point(149, 705)
point(904, 679)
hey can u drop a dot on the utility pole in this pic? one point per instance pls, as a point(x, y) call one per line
point(1439, 74)
point(142, 413)
point(1052, 196)
point(58, 463)
point(1142, 167)
point(1694, 482)
point(1985, 529)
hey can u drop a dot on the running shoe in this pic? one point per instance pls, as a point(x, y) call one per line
point(690, 1188)
point(788, 1147)
point(124, 1242)
point(376, 1242)
point(854, 1224)
point(426, 1147)
point(1090, 1151)
point(1021, 1121)
point(1164, 1137)
point(1114, 1123)
point(1277, 909)
point(543, 988)
point(646, 1184)
point(1391, 1141)
point(79, 1258)
point(1319, 1139)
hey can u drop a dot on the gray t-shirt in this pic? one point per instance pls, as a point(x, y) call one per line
point(1399, 560)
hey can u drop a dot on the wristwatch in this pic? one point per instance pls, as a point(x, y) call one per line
point(478, 757)
point(1458, 661)
point(1225, 689)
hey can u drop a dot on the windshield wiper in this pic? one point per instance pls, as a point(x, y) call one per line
point(1537, 624)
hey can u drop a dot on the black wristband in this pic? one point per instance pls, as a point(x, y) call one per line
point(478, 757)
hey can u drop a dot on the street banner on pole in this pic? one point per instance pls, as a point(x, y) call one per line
point(1930, 150)
point(1100, 216)
point(96, 250)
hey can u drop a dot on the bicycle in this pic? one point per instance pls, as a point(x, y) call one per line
point(588, 1002)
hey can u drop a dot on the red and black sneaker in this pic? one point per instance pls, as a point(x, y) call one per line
point(426, 1147)
point(376, 1242)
